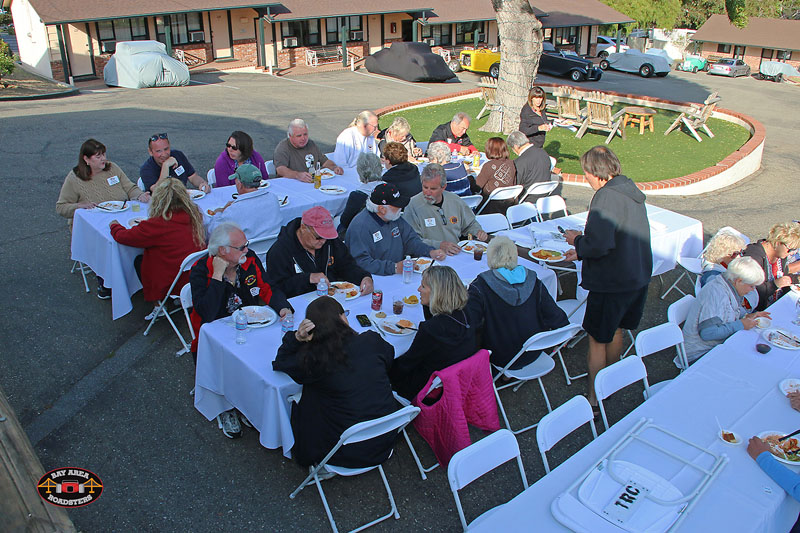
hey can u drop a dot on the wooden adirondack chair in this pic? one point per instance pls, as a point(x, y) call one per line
point(568, 102)
point(697, 117)
point(599, 116)
point(488, 87)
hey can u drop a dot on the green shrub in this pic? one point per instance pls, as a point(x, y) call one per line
point(7, 59)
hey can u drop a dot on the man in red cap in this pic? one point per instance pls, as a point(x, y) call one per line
point(308, 249)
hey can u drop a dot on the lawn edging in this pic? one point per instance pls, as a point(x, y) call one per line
point(733, 168)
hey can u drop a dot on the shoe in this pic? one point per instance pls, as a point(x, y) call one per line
point(152, 314)
point(229, 424)
point(243, 419)
point(103, 293)
point(595, 408)
point(324, 474)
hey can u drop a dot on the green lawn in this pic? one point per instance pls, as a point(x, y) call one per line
point(648, 157)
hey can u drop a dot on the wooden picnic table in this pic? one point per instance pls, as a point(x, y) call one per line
point(639, 116)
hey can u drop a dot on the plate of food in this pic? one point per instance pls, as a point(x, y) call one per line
point(332, 189)
point(351, 290)
point(729, 437)
point(394, 326)
point(259, 316)
point(326, 173)
point(470, 245)
point(781, 338)
point(264, 184)
point(763, 322)
point(789, 385)
point(135, 221)
point(114, 206)
point(421, 264)
point(196, 194)
point(411, 300)
point(784, 451)
point(795, 287)
point(548, 256)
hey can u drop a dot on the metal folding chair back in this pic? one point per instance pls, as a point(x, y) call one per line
point(677, 311)
point(502, 193)
point(551, 204)
point(522, 214)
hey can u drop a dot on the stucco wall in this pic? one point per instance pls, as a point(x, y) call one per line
point(32, 38)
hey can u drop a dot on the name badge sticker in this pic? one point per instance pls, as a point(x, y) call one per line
point(179, 170)
point(297, 269)
point(255, 291)
point(377, 236)
point(430, 222)
point(113, 180)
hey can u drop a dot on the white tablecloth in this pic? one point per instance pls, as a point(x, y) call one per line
point(734, 383)
point(232, 375)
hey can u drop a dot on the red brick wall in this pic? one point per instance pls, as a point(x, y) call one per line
point(752, 55)
point(290, 57)
point(246, 50)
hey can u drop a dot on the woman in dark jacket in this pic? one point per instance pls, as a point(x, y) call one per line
point(403, 174)
point(345, 381)
point(771, 254)
point(509, 304)
point(443, 339)
point(532, 118)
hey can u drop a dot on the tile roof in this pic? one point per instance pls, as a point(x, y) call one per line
point(778, 34)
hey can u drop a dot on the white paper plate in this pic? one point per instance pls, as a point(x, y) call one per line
point(332, 189)
point(772, 336)
point(135, 221)
point(346, 286)
point(789, 385)
point(260, 316)
point(421, 264)
point(738, 442)
point(763, 322)
point(558, 259)
point(196, 194)
point(795, 287)
point(469, 246)
point(113, 206)
point(765, 434)
point(264, 184)
point(327, 173)
point(392, 330)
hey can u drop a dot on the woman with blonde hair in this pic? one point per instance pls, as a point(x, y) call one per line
point(399, 131)
point(772, 254)
point(444, 338)
point(533, 118)
point(173, 230)
point(723, 248)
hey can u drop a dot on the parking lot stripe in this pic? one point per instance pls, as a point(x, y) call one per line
point(306, 82)
point(396, 81)
point(225, 86)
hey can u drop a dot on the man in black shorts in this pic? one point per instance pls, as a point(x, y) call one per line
point(617, 259)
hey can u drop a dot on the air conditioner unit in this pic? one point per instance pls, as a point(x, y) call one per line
point(196, 36)
point(108, 47)
point(468, 36)
point(431, 41)
point(290, 42)
point(356, 35)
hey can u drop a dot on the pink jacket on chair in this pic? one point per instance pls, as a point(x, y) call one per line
point(467, 398)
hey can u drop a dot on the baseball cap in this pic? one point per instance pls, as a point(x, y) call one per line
point(321, 220)
point(388, 194)
point(248, 174)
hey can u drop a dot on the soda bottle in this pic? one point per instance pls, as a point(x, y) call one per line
point(240, 319)
point(408, 269)
point(476, 161)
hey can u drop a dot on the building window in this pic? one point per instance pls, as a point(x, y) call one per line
point(109, 32)
point(334, 25)
point(547, 35)
point(723, 49)
point(738, 52)
point(440, 33)
point(784, 55)
point(465, 32)
point(766, 53)
point(305, 31)
point(181, 27)
point(566, 37)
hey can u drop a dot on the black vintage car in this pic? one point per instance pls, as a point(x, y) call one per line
point(558, 63)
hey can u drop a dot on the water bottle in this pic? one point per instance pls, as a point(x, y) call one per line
point(322, 287)
point(240, 319)
point(287, 323)
point(454, 157)
point(408, 269)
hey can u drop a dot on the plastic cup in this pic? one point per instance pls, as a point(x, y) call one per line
point(397, 305)
point(477, 253)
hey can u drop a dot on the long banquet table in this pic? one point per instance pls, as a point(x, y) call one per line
point(233, 375)
point(732, 382)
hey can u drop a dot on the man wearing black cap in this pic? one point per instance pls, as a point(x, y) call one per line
point(379, 239)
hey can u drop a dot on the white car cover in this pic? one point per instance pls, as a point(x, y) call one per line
point(137, 64)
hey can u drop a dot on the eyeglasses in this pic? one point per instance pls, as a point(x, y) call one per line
point(242, 247)
point(441, 213)
point(157, 136)
point(315, 235)
point(346, 312)
point(232, 147)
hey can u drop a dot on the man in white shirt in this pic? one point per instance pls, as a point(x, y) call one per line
point(357, 138)
point(256, 211)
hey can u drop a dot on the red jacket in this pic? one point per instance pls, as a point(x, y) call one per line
point(166, 244)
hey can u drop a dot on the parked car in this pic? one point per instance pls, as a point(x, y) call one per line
point(637, 62)
point(138, 64)
point(607, 45)
point(776, 71)
point(730, 67)
point(660, 53)
point(693, 64)
point(571, 65)
point(409, 61)
point(481, 61)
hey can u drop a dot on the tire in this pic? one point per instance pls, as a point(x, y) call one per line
point(494, 71)
point(576, 75)
point(694, 70)
point(604, 64)
point(454, 65)
point(779, 77)
point(706, 67)
point(603, 54)
point(646, 70)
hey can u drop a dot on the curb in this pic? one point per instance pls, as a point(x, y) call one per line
point(45, 96)
point(736, 166)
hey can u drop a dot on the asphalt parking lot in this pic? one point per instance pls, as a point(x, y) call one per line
point(95, 393)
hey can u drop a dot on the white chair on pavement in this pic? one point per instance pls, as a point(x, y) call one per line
point(261, 246)
point(522, 214)
point(80, 267)
point(561, 422)
point(473, 200)
point(549, 205)
point(476, 460)
point(552, 163)
point(271, 171)
point(658, 338)
point(553, 340)
point(692, 266)
point(493, 222)
point(540, 188)
point(358, 433)
point(211, 178)
point(502, 193)
point(677, 311)
point(617, 376)
point(186, 304)
point(161, 310)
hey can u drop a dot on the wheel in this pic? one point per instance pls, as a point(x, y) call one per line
point(576, 75)
point(454, 65)
point(706, 67)
point(694, 70)
point(604, 64)
point(779, 77)
point(646, 70)
point(494, 70)
point(603, 54)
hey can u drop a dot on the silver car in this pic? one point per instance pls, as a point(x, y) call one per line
point(637, 62)
point(730, 67)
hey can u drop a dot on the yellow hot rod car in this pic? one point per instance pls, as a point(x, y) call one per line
point(481, 61)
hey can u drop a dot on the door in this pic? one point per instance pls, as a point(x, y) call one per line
point(221, 35)
point(406, 30)
point(79, 51)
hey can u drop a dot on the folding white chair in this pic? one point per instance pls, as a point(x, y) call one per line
point(261, 246)
point(616, 376)
point(541, 366)
point(661, 337)
point(549, 205)
point(493, 222)
point(476, 460)
point(677, 311)
point(522, 214)
point(80, 267)
point(423, 470)
point(692, 266)
point(552, 163)
point(271, 170)
point(561, 422)
point(211, 178)
point(473, 200)
point(186, 304)
point(502, 193)
point(140, 184)
point(359, 433)
point(541, 188)
point(161, 310)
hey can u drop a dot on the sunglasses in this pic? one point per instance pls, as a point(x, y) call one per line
point(229, 145)
point(242, 247)
point(157, 136)
point(315, 235)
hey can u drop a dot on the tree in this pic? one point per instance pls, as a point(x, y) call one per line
point(7, 61)
point(649, 13)
point(520, 48)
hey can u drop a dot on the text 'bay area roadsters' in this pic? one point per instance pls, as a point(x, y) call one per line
point(553, 62)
